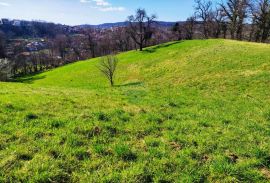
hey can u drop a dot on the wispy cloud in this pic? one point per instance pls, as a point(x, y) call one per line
point(112, 9)
point(4, 4)
point(103, 5)
point(85, 1)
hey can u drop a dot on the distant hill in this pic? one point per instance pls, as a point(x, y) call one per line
point(123, 24)
point(22, 28)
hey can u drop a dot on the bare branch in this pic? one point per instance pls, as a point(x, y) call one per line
point(107, 67)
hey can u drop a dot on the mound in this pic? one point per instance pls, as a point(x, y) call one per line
point(187, 111)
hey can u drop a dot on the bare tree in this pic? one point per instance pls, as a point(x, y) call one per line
point(189, 27)
point(177, 30)
point(92, 42)
point(107, 67)
point(5, 69)
point(204, 13)
point(219, 24)
point(140, 27)
point(261, 19)
point(2, 45)
point(122, 39)
point(61, 41)
point(236, 11)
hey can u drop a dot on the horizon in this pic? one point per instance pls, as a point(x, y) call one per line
point(93, 12)
point(57, 23)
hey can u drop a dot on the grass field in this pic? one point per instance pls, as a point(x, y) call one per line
point(191, 111)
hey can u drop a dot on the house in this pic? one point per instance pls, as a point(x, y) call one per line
point(36, 45)
point(5, 21)
point(16, 23)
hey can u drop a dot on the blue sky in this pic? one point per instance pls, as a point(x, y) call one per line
point(74, 12)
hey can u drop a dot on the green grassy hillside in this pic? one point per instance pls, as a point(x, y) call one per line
point(191, 111)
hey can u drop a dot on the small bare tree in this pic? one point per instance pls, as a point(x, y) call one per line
point(107, 67)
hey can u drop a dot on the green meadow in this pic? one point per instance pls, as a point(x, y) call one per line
point(189, 111)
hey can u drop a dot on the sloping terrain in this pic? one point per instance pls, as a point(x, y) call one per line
point(191, 111)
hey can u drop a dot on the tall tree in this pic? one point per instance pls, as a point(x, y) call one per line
point(204, 13)
point(177, 30)
point(236, 11)
point(122, 39)
point(261, 19)
point(2, 45)
point(219, 24)
point(5, 69)
point(189, 27)
point(92, 42)
point(140, 27)
point(61, 41)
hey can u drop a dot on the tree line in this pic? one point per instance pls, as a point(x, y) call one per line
point(234, 19)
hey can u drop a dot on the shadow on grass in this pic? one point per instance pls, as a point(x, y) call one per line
point(130, 84)
point(28, 79)
point(155, 48)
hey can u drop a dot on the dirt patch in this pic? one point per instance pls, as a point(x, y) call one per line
point(266, 172)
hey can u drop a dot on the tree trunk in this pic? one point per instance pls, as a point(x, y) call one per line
point(141, 47)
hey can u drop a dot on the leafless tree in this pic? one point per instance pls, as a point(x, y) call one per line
point(107, 67)
point(140, 27)
point(92, 42)
point(5, 69)
point(219, 24)
point(204, 13)
point(189, 27)
point(261, 19)
point(122, 39)
point(177, 30)
point(236, 11)
point(61, 41)
point(2, 45)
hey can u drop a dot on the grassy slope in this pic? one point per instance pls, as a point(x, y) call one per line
point(188, 111)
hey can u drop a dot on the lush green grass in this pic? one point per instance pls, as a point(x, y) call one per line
point(193, 111)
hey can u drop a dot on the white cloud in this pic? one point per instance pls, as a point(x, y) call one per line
point(112, 9)
point(85, 1)
point(103, 5)
point(4, 4)
point(97, 2)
